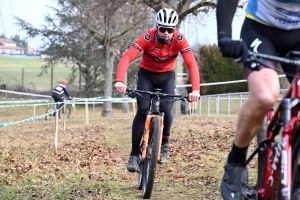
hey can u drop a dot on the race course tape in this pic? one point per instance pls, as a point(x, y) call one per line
point(26, 120)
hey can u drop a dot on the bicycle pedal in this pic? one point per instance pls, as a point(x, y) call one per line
point(248, 192)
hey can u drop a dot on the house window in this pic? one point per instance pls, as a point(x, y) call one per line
point(11, 52)
point(3, 51)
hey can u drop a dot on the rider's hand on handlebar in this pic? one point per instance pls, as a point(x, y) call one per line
point(232, 48)
point(120, 87)
point(70, 98)
point(194, 95)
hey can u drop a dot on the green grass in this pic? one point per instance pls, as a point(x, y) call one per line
point(11, 73)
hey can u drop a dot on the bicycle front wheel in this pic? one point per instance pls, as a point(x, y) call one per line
point(151, 158)
point(141, 170)
point(296, 163)
point(64, 112)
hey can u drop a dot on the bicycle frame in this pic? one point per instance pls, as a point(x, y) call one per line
point(278, 165)
point(152, 112)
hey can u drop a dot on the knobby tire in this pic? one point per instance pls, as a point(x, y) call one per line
point(49, 117)
point(61, 113)
point(151, 158)
point(260, 136)
point(141, 169)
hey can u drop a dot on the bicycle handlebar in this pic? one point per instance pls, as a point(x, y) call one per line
point(293, 58)
point(138, 93)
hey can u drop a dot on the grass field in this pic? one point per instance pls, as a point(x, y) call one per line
point(91, 159)
point(11, 73)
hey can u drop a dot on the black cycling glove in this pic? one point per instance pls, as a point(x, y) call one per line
point(232, 48)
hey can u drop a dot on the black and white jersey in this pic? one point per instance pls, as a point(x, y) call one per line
point(60, 89)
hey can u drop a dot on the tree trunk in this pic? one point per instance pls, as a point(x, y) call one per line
point(125, 105)
point(107, 105)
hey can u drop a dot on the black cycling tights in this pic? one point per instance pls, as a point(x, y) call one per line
point(147, 80)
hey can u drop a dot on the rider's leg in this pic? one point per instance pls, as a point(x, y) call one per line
point(138, 124)
point(167, 86)
point(143, 104)
point(264, 91)
point(166, 105)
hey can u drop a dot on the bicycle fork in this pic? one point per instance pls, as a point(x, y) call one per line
point(145, 142)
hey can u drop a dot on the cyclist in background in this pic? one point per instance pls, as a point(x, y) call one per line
point(270, 27)
point(160, 47)
point(58, 91)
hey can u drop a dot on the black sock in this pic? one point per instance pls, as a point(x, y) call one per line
point(135, 150)
point(165, 139)
point(237, 155)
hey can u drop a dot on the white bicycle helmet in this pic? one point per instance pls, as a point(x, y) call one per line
point(167, 17)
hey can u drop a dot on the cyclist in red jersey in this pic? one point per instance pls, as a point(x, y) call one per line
point(160, 47)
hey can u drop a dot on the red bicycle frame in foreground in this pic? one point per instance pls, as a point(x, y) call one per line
point(277, 181)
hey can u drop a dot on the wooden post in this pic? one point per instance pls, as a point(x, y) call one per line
point(74, 104)
point(87, 112)
point(65, 114)
point(22, 80)
point(34, 108)
point(51, 79)
point(93, 106)
point(56, 130)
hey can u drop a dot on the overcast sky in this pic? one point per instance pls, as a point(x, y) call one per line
point(33, 11)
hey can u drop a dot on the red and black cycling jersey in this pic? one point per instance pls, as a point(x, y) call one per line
point(158, 57)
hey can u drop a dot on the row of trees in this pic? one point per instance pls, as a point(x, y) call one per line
point(92, 35)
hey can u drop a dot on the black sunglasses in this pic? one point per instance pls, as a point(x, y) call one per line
point(164, 29)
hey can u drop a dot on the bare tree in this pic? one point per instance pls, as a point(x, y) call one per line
point(89, 35)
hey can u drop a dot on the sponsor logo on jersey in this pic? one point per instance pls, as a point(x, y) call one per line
point(147, 37)
point(180, 37)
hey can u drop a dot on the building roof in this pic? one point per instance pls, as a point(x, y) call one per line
point(6, 40)
point(32, 49)
point(10, 47)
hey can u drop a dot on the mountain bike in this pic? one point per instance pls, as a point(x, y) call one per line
point(150, 148)
point(278, 141)
point(62, 112)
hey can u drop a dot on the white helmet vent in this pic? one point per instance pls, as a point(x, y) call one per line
point(167, 17)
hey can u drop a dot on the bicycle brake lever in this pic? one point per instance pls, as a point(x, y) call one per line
point(134, 94)
point(253, 61)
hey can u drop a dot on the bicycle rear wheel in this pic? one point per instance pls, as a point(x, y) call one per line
point(151, 158)
point(50, 116)
point(64, 112)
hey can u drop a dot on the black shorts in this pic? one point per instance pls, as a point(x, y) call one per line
point(270, 40)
